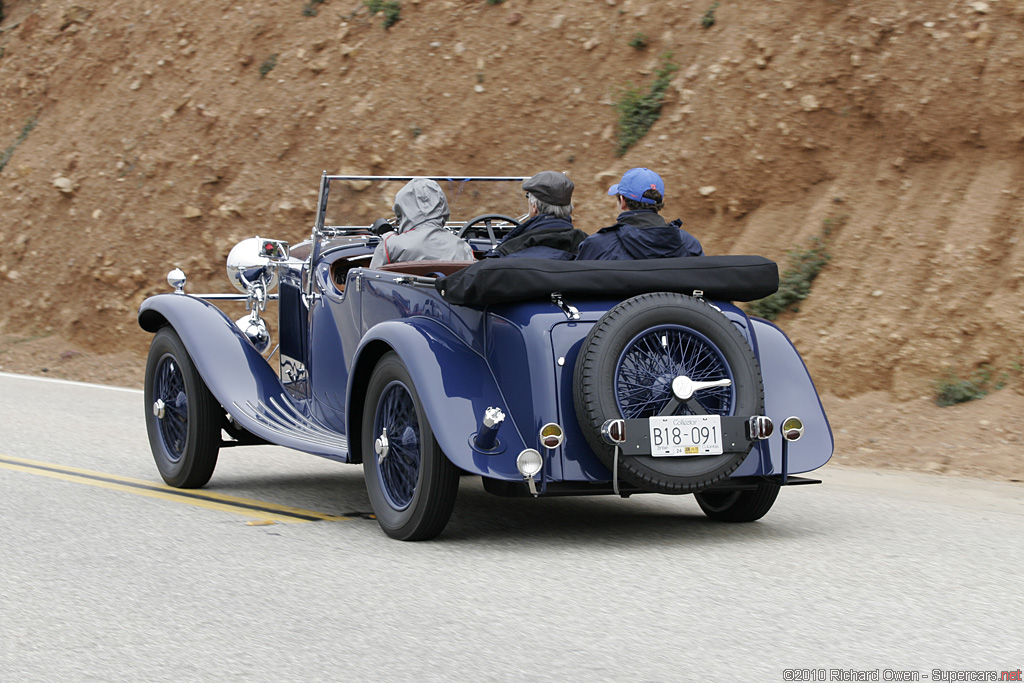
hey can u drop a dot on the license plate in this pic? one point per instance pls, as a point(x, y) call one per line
point(683, 435)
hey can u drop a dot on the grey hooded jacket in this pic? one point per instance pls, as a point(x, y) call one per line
point(422, 209)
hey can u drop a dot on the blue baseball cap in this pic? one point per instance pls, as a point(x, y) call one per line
point(635, 182)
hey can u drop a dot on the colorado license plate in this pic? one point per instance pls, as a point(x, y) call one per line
point(683, 435)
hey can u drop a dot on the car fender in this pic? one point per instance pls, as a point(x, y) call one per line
point(788, 391)
point(237, 374)
point(454, 384)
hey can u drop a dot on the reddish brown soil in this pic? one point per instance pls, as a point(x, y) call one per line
point(156, 142)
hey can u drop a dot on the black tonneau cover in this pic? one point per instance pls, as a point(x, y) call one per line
point(493, 281)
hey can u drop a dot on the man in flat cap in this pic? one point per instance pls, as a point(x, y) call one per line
point(640, 232)
point(548, 232)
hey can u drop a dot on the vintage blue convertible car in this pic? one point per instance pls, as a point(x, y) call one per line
point(542, 377)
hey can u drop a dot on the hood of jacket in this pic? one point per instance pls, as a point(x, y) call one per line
point(420, 201)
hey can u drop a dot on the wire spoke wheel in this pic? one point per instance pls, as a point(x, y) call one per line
point(399, 468)
point(183, 418)
point(412, 485)
point(170, 390)
point(655, 357)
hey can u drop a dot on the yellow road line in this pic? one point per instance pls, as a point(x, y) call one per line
point(203, 499)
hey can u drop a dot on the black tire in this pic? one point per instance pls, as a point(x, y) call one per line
point(185, 435)
point(738, 506)
point(412, 486)
point(625, 367)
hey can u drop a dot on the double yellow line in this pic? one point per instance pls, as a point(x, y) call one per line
point(264, 512)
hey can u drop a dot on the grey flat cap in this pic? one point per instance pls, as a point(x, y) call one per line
point(551, 187)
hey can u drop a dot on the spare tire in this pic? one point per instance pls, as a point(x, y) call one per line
point(625, 369)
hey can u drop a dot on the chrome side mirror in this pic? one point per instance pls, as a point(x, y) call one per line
point(248, 266)
point(275, 250)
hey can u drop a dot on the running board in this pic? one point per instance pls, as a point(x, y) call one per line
point(281, 423)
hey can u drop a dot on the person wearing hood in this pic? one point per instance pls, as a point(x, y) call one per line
point(422, 211)
point(548, 232)
point(640, 232)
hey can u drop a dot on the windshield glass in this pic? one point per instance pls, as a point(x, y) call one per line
point(357, 201)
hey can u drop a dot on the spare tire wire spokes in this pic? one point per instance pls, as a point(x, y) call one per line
point(651, 363)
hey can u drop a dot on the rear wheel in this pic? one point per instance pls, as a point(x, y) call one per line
point(411, 484)
point(738, 506)
point(182, 416)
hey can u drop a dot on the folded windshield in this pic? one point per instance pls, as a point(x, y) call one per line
point(357, 201)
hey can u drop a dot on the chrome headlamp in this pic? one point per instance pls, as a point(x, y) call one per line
point(529, 463)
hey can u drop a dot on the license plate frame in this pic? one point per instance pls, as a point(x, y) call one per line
point(677, 436)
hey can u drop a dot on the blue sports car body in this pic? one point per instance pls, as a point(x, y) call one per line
point(542, 377)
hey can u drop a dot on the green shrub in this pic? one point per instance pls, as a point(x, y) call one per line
point(268, 65)
point(6, 155)
point(639, 110)
point(708, 20)
point(795, 282)
point(951, 389)
point(495, 2)
point(392, 10)
point(309, 9)
point(638, 41)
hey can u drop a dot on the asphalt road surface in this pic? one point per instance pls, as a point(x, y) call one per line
point(106, 575)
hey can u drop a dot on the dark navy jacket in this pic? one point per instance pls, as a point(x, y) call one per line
point(640, 234)
point(542, 236)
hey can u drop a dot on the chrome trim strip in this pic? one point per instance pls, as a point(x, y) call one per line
point(229, 297)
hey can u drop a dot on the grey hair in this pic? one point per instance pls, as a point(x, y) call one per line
point(556, 210)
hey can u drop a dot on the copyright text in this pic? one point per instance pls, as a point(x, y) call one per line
point(819, 675)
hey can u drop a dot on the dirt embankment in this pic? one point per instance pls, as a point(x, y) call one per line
point(137, 135)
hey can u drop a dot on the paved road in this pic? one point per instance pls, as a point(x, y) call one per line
point(868, 572)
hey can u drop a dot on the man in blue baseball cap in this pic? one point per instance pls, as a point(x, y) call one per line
point(640, 232)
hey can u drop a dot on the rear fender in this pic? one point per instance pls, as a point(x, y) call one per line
point(454, 384)
point(788, 391)
point(236, 373)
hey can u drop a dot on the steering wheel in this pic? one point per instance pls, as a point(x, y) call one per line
point(473, 229)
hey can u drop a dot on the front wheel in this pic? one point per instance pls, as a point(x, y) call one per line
point(411, 484)
point(182, 416)
point(738, 506)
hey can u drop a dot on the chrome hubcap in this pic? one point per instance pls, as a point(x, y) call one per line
point(380, 446)
point(684, 388)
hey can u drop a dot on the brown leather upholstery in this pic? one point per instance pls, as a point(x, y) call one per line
point(425, 268)
point(340, 268)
